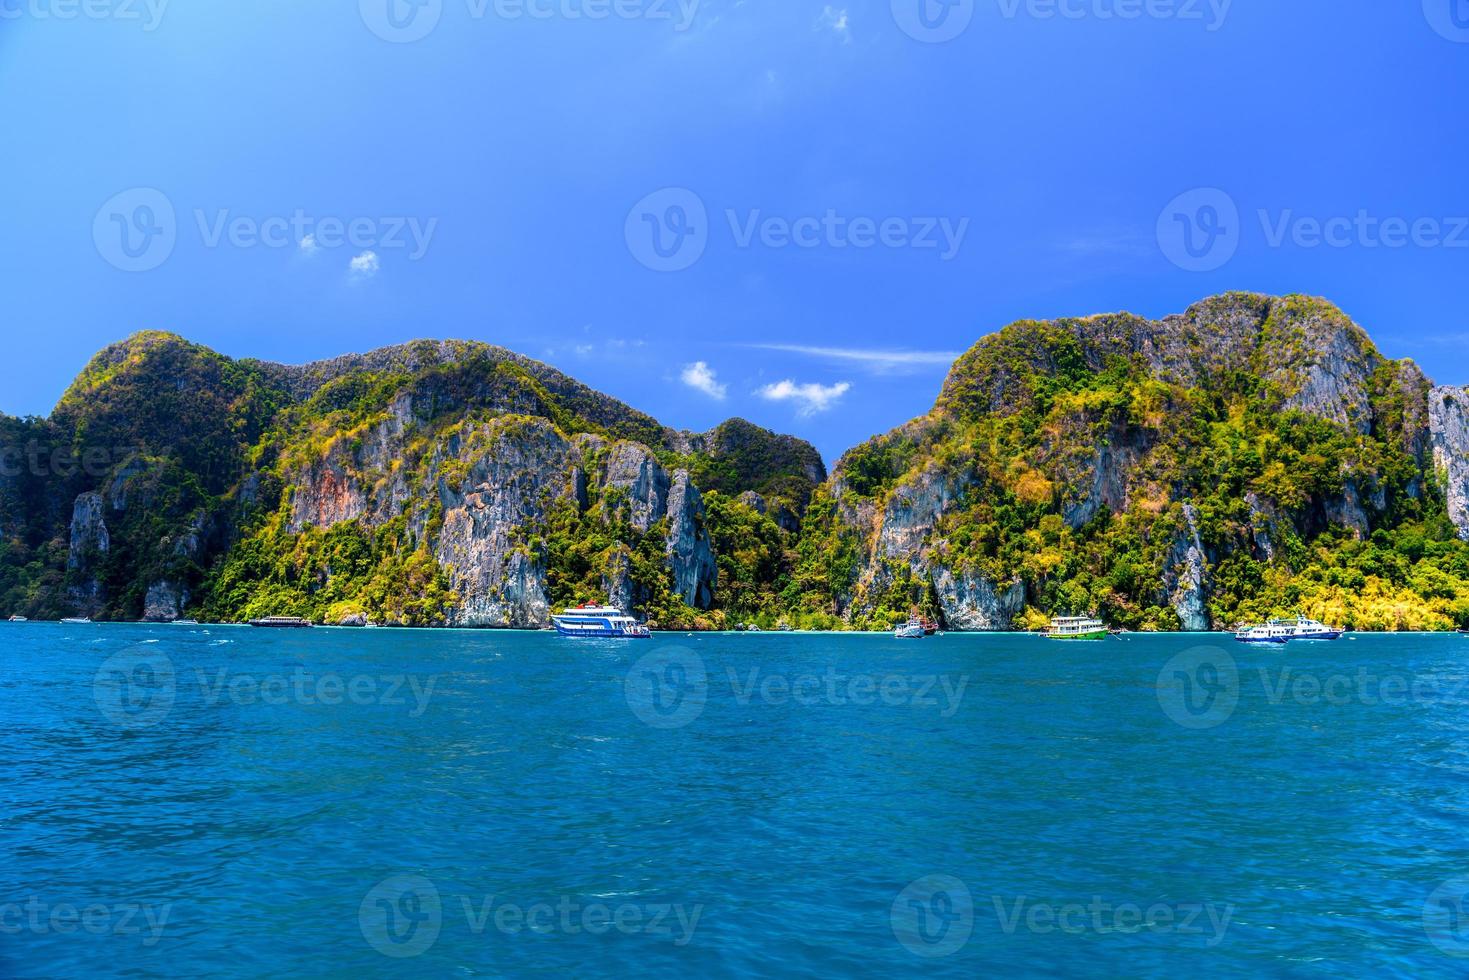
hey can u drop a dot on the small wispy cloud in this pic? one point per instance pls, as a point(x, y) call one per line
point(809, 398)
point(835, 20)
point(308, 246)
point(877, 360)
point(701, 377)
point(363, 266)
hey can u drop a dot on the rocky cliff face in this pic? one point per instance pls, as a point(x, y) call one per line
point(1159, 449)
point(490, 488)
point(1448, 412)
point(402, 473)
point(1172, 473)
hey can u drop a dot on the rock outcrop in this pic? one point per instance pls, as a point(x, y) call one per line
point(973, 603)
point(512, 471)
point(89, 537)
point(1185, 576)
point(164, 602)
point(690, 557)
point(1448, 414)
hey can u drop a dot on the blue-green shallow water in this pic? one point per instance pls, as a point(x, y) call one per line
point(527, 775)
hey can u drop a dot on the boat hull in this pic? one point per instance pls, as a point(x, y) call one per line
point(1096, 635)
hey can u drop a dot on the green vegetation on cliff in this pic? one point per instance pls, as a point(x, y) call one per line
point(1248, 458)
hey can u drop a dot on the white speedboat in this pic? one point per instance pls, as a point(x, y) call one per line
point(77, 621)
point(604, 622)
point(17, 619)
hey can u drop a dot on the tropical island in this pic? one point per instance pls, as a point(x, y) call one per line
point(1250, 457)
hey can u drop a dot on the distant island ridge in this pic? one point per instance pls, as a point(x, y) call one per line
point(1252, 456)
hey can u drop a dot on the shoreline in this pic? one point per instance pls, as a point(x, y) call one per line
point(763, 633)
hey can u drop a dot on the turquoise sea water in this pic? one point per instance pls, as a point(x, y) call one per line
point(181, 801)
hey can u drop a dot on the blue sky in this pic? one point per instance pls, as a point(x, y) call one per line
point(842, 196)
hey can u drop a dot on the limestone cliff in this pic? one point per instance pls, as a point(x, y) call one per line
point(1448, 412)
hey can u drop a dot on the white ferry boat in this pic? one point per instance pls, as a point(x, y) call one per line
point(1076, 628)
point(1271, 632)
point(1285, 630)
point(605, 622)
point(911, 630)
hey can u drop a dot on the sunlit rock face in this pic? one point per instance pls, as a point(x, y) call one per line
point(1448, 414)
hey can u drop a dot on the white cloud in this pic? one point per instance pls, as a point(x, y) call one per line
point(873, 359)
point(308, 245)
point(363, 266)
point(700, 377)
point(811, 398)
point(836, 20)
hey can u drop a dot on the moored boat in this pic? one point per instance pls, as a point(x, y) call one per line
point(1302, 628)
point(1263, 633)
point(184, 622)
point(281, 623)
point(1285, 630)
point(1076, 628)
point(911, 630)
point(77, 621)
point(17, 619)
point(599, 622)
